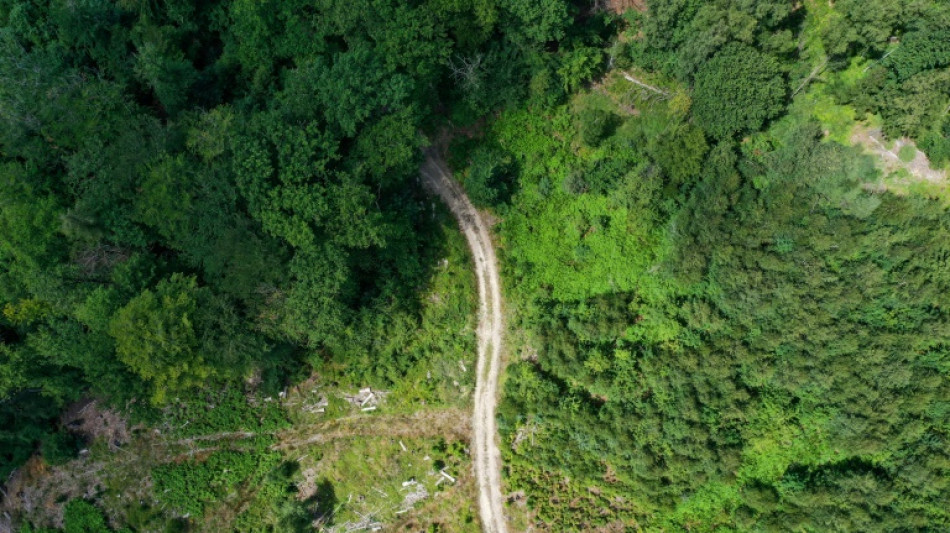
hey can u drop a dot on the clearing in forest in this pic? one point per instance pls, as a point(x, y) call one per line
point(904, 166)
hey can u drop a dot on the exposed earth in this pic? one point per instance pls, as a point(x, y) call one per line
point(486, 456)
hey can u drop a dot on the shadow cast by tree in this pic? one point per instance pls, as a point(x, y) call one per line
point(325, 504)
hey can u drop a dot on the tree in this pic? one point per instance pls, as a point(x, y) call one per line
point(26, 418)
point(680, 151)
point(737, 91)
point(61, 447)
point(919, 51)
point(28, 221)
point(168, 73)
point(681, 35)
point(539, 21)
point(293, 186)
point(488, 178)
point(346, 89)
point(81, 516)
point(915, 106)
point(155, 335)
point(861, 25)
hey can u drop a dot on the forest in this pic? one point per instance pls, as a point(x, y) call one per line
point(722, 226)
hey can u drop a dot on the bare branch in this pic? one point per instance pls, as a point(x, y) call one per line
point(814, 72)
point(646, 86)
point(466, 71)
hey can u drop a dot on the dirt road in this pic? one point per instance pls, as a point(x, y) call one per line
point(487, 457)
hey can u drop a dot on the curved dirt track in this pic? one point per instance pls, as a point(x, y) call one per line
point(487, 457)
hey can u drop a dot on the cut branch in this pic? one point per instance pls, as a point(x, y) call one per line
point(646, 86)
point(814, 72)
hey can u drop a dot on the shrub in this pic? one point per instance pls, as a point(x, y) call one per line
point(937, 148)
point(61, 447)
point(595, 125)
point(737, 91)
point(188, 486)
point(907, 153)
point(488, 181)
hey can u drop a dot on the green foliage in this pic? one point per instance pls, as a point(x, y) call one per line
point(164, 68)
point(190, 486)
point(61, 447)
point(907, 87)
point(595, 125)
point(860, 26)
point(936, 144)
point(914, 106)
point(579, 66)
point(737, 91)
point(680, 36)
point(719, 388)
point(226, 411)
point(155, 335)
point(712, 504)
point(275, 506)
point(592, 507)
point(209, 189)
point(25, 420)
point(729, 336)
point(489, 176)
point(80, 516)
point(539, 21)
point(907, 153)
point(680, 152)
point(919, 51)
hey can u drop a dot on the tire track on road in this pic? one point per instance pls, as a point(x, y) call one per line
point(487, 457)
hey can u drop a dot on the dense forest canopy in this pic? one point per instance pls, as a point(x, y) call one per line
point(728, 316)
point(756, 342)
point(194, 190)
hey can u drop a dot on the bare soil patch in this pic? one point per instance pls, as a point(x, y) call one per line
point(919, 167)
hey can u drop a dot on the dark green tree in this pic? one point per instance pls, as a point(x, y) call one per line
point(737, 91)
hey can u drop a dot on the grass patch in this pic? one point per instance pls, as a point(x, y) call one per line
point(838, 120)
point(367, 476)
point(907, 153)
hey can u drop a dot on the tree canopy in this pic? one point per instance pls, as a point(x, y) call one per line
point(737, 90)
point(725, 260)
